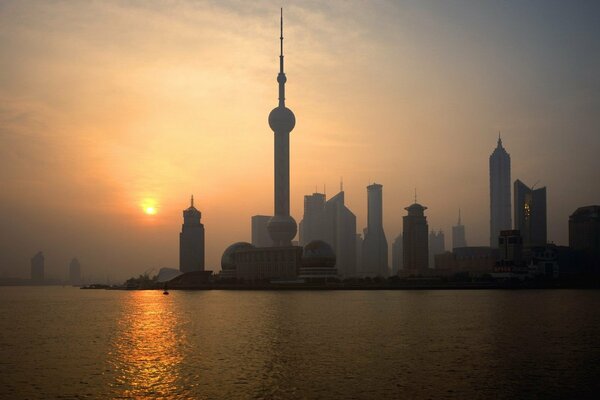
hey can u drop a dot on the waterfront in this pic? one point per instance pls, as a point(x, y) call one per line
point(70, 343)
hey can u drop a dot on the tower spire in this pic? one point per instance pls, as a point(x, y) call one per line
point(281, 77)
point(341, 183)
point(415, 195)
point(192, 201)
point(499, 140)
point(459, 216)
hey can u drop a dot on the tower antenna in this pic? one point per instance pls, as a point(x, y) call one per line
point(192, 201)
point(341, 183)
point(415, 195)
point(459, 216)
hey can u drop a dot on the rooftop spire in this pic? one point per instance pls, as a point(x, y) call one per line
point(192, 201)
point(499, 140)
point(459, 216)
point(415, 195)
point(341, 184)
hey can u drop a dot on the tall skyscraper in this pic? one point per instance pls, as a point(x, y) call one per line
point(340, 233)
point(437, 245)
point(458, 234)
point(260, 233)
point(312, 224)
point(397, 261)
point(191, 241)
point(499, 193)
point(530, 214)
point(584, 236)
point(282, 226)
point(37, 267)
point(375, 247)
point(74, 272)
point(415, 239)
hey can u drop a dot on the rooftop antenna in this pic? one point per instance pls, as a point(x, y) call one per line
point(459, 216)
point(281, 77)
point(192, 201)
point(324, 190)
point(341, 184)
point(415, 195)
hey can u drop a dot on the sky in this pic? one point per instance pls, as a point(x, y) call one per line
point(107, 108)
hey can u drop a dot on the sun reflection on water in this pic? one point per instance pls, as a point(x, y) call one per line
point(148, 348)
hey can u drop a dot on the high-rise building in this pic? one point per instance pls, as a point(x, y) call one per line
point(415, 240)
point(260, 233)
point(191, 241)
point(437, 245)
point(499, 193)
point(584, 236)
point(312, 224)
point(37, 267)
point(530, 214)
point(282, 227)
point(458, 234)
point(74, 272)
point(375, 247)
point(397, 261)
point(340, 233)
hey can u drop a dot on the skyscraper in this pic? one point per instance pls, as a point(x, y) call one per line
point(397, 261)
point(191, 241)
point(437, 245)
point(260, 233)
point(375, 247)
point(37, 267)
point(311, 226)
point(584, 236)
point(74, 272)
point(415, 239)
point(340, 233)
point(499, 193)
point(530, 214)
point(282, 226)
point(458, 234)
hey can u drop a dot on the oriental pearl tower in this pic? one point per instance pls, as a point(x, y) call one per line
point(282, 227)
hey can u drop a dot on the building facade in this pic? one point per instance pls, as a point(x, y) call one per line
point(584, 237)
point(312, 224)
point(500, 207)
point(459, 238)
point(415, 240)
point(191, 241)
point(530, 214)
point(437, 245)
point(375, 247)
point(260, 233)
point(340, 234)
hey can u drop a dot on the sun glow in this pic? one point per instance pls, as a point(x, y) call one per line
point(149, 206)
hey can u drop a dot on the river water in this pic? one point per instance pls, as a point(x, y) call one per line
point(62, 342)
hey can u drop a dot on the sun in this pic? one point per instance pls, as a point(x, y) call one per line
point(149, 206)
point(150, 210)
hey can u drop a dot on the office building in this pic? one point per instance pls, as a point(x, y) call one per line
point(584, 237)
point(500, 206)
point(375, 248)
point(437, 245)
point(191, 240)
point(530, 214)
point(397, 261)
point(415, 240)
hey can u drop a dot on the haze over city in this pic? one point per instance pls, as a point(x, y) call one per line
point(112, 114)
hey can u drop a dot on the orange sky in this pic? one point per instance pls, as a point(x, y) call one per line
point(104, 105)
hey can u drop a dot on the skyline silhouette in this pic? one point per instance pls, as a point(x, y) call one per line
point(103, 121)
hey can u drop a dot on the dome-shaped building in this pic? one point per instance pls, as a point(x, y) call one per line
point(318, 261)
point(228, 267)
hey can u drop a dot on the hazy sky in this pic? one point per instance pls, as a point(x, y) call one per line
point(107, 106)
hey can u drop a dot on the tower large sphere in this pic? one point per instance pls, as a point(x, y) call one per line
point(227, 262)
point(282, 229)
point(282, 119)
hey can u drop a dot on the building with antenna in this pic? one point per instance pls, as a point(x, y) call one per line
point(191, 240)
point(458, 234)
point(530, 214)
point(500, 206)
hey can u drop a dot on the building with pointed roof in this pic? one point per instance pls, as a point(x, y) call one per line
point(415, 240)
point(500, 206)
point(191, 240)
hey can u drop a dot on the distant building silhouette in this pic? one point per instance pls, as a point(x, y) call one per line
point(191, 241)
point(359, 248)
point(375, 247)
point(312, 224)
point(397, 261)
point(37, 267)
point(584, 236)
point(415, 240)
point(260, 233)
point(458, 234)
point(437, 245)
point(74, 272)
point(500, 207)
point(530, 214)
point(340, 233)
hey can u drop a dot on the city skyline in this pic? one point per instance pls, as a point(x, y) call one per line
point(67, 171)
